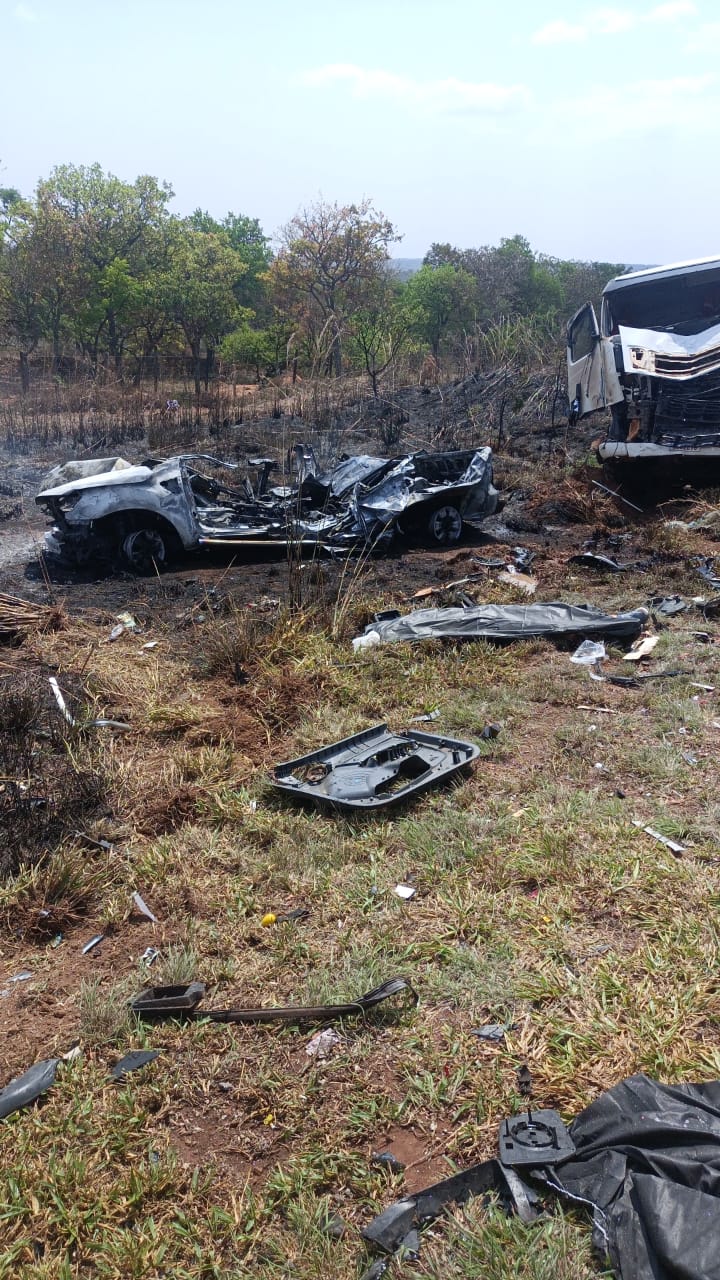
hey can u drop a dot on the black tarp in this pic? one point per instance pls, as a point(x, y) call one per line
point(504, 622)
point(648, 1158)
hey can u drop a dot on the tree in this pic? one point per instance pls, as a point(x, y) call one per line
point(381, 327)
point(114, 228)
point(444, 300)
point(253, 348)
point(246, 237)
point(330, 258)
point(22, 308)
point(199, 288)
point(443, 255)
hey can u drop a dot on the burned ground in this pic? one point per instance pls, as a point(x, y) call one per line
point(538, 902)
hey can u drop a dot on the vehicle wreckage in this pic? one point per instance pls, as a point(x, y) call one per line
point(142, 516)
point(654, 361)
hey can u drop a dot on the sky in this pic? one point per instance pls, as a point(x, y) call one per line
point(591, 130)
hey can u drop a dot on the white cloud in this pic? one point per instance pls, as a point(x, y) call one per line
point(705, 40)
point(449, 95)
point(672, 11)
point(24, 13)
point(560, 32)
point(611, 22)
point(638, 109)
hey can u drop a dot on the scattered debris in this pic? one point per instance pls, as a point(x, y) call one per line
point(614, 494)
point(493, 1031)
point(143, 908)
point(322, 1043)
point(60, 700)
point(166, 1001)
point(334, 1226)
point(426, 719)
point(502, 622)
point(591, 560)
point(634, 682)
point(133, 1061)
point(25, 976)
point(28, 1087)
point(672, 845)
point(387, 1160)
point(287, 917)
point(706, 688)
point(523, 581)
point(641, 648)
point(125, 622)
point(97, 844)
point(157, 1001)
point(705, 566)
point(390, 1229)
point(490, 732)
point(668, 606)
point(149, 644)
point(706, 521)
point(589, 652)
point(405, 891)
point(524, 1079)
point(149, 956)
point(92, 943)
point(374, 768)
point(534, 1138)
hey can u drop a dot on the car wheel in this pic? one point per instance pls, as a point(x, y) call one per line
point(445, 525)
point(144, 550)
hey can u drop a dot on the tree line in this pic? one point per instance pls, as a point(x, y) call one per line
point(98, 271)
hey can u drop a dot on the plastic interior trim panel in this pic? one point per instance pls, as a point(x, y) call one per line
point(373, 769)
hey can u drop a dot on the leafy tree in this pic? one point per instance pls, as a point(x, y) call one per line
point(8, 197)
point(110, 221)
point(253, 348)
point(199, 288)
point(22, 308)
point(381, 328)
point(443, 255)
point(444, 300)
point(246, 237)
point(331, 256)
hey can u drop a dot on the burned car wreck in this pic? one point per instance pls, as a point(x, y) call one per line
point(654, 361)
point(142, 516)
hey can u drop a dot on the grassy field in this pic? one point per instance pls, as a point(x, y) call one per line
point(539, 904)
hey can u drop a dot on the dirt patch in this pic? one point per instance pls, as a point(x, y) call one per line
point(421, 1153)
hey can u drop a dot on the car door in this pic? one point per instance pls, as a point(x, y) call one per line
point(586, 383)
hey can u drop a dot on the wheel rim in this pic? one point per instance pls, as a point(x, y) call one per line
point(446, 525)
point(144, 549)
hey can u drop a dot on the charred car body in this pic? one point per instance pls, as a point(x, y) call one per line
point(654, 361)
point(143, 515)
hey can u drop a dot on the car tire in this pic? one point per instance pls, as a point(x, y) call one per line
point(144, 550)
point(445, 526)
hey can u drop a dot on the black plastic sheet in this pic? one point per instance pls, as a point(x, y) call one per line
point(505, 622)
point(648, 1159)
